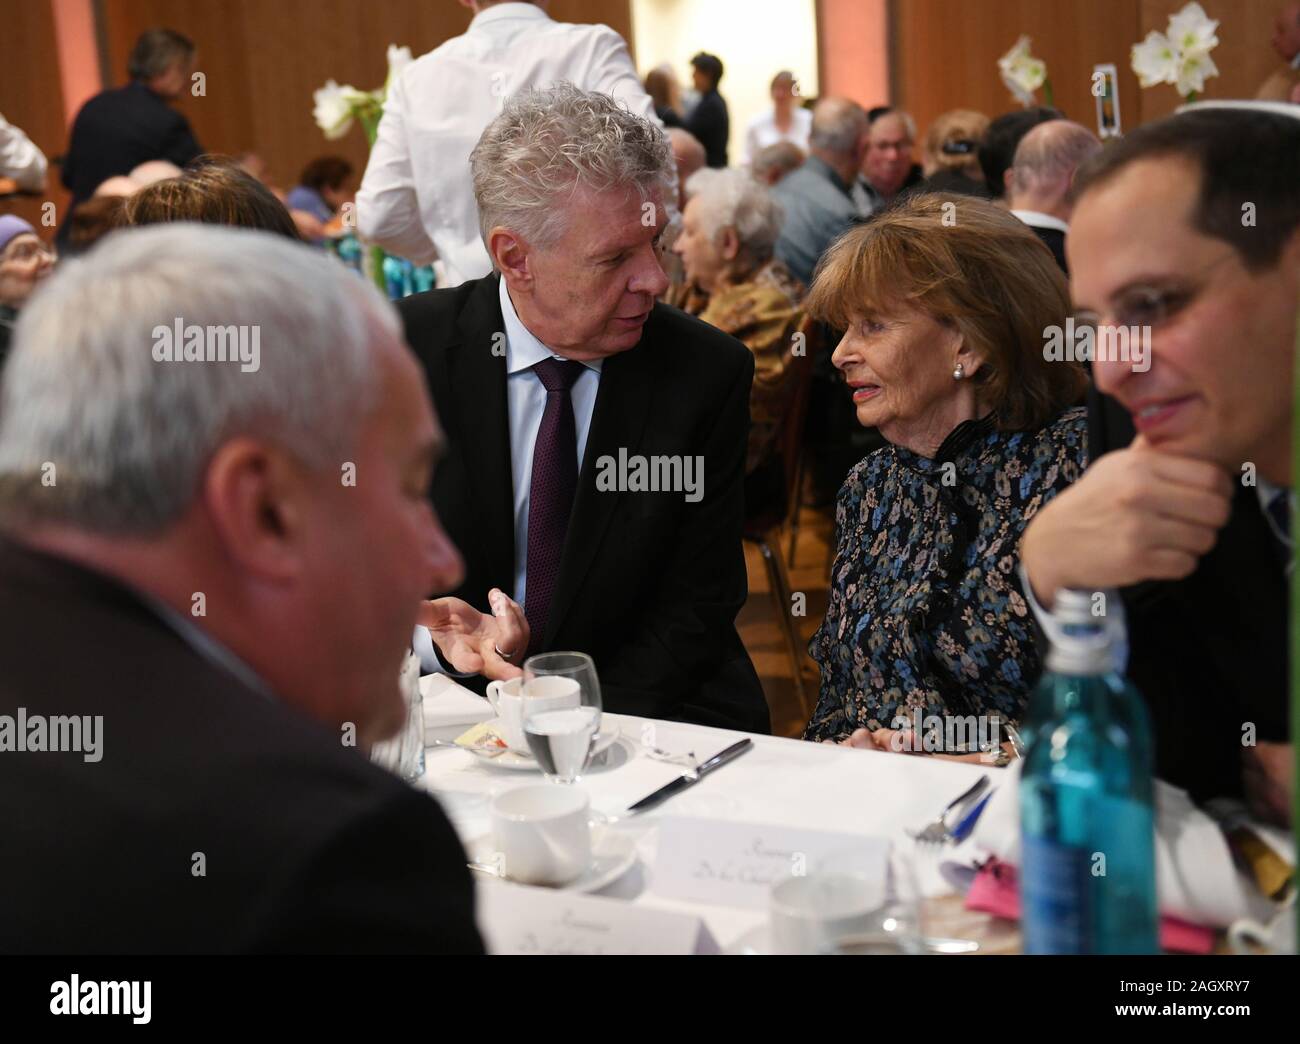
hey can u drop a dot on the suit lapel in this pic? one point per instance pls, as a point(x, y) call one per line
point(623, 402)
point(477, 381)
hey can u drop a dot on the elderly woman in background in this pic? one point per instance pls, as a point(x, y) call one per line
point(24, 262)
point(729, 229)
point(945, 311)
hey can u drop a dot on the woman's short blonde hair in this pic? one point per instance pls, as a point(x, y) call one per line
point(970, 265)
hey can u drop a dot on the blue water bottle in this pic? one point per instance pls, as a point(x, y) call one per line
point(1087, 880)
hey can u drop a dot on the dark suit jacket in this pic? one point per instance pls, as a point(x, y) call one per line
point(308, 846)
point(1054, 240)
point(711, 124)
point(649, 584)
point(115, 132)
point(1209, 653)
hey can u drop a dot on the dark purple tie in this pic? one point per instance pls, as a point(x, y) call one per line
point(550, 497)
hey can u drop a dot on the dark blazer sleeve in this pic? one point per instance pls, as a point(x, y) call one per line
point(179, 144)
point(392, 880)
point(688, 636)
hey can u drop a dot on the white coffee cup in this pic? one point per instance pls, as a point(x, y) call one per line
point(542, 833)
point(543, 694)
point(810, 913)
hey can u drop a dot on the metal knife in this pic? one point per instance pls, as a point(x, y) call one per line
point(682, 782)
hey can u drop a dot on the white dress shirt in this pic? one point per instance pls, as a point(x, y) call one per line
point(416, 199)
point(763, 131)
point(20, 159)
point(1037, 219)
point(526, 402)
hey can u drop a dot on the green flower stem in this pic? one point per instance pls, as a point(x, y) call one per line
point(1047, 92)
point(369, 115)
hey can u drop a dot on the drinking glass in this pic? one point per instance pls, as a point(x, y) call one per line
point(403, 755)
point(561, 738)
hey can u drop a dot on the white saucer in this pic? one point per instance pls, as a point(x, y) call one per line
point(517, 762)
point(612, 855)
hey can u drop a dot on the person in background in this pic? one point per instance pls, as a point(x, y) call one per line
point(121, 128)
point(786, 121)
point(324, 186)
point(887, 166)
point(949, 158)
point(24, 263)
point(665, 90)
point(708, 120)
point(688, 154)
point(997, 151)
point(20, 160)
point(773, 163)
point(215, 191)
point(943, 353)
point(230, 771)
point(92, 221)
point(729, 230)
point(1188, 507)
point(1282, 84)
point(817, 198)
point(1041, 178)
point(416, 199)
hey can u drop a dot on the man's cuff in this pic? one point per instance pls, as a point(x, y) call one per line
point(430, 660)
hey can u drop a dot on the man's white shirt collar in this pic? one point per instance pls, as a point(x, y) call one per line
point(502, 12)
point(523, 350)
point(1037, 219)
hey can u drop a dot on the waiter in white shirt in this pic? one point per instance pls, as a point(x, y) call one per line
point(416, 199)
point(785, 121)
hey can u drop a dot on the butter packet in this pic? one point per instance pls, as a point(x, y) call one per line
point(484, 739)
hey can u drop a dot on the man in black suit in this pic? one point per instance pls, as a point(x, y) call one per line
point(1191, 517)
point(597, 438)
point(1038, 184)
point(709, 120)
point(209, 572)
point(121, 128)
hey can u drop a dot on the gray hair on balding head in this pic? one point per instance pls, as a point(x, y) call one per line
point(547, 144)
point(837, 124)
point(99, 435)
point(1050, 154)
point(734, 199)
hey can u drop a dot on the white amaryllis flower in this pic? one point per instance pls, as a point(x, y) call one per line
point(334, 108)
point(1191, 30)
point(1155, 60)
point(1193, 71)
point(1181, 55)
point(398, 59)
point(1022, 73)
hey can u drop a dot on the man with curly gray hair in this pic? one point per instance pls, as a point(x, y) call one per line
point(597, 437)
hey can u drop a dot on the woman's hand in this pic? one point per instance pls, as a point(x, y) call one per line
point(899, 742)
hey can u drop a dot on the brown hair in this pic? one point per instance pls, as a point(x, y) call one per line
point(326, 172)
point(972, 266)
point(215, 191)
point(961, 130)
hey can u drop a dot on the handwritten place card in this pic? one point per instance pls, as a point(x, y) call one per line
point(520, 920)
point(736, 864)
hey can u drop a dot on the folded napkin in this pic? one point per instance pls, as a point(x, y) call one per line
point(448, 704)
point(1196, 879)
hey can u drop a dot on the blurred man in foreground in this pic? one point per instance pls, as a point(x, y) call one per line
point(214, 458)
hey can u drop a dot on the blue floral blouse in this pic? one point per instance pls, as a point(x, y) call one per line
point(926, 613)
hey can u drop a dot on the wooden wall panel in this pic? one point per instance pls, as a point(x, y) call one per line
point(31, 96)
point(264, 59)
point(945, 52)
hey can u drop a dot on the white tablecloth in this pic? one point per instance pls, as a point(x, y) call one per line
point(780, 781)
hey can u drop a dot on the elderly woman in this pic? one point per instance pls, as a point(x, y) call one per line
point(945, 307)
point(729, 228)
point(24, 262)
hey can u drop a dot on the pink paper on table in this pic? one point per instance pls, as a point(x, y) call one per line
point(996, 890)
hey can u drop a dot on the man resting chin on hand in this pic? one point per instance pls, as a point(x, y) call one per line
point(1191, 518)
